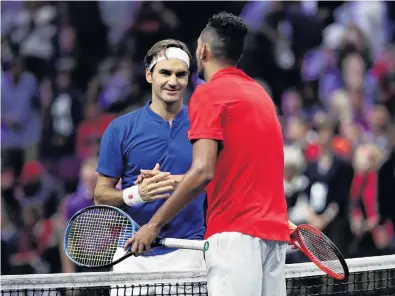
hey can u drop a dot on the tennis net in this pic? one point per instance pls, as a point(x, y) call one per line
point(368, 276)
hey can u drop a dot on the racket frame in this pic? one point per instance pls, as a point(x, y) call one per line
point(158, 242)
point(330, 244)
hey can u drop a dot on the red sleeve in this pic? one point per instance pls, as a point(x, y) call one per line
point(205, 113)
point(370, 197)
point(355, 195)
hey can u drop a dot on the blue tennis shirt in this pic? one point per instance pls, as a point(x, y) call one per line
point(139, 140)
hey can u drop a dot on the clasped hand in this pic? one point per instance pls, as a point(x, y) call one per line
point(154, 184)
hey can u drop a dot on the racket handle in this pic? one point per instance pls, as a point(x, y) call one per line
point(199, 245)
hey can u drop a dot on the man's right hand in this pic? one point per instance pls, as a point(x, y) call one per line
point(154, 188)
point(145, 174)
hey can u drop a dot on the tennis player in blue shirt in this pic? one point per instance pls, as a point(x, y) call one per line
point(146, 138)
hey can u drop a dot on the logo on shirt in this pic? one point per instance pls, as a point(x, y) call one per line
point(130, 196)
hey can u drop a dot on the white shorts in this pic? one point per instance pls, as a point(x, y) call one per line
point(242, 265)
point(175, 261)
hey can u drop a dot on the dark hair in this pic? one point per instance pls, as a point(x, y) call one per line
point(163, 45)
point(225, 32)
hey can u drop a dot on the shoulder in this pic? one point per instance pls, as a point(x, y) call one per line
point(200, 91)
point(124, 122)
point(207, 93)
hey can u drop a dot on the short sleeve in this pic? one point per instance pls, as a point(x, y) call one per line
point(111, 160)
point(205, 113)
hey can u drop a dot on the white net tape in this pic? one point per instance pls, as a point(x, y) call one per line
point(96, 279)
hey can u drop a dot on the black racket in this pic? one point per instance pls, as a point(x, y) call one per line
point(94, 234)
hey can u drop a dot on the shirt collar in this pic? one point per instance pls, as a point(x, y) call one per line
point(181, 115)
point(225, 71)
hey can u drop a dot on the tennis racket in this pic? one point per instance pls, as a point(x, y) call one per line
point(94, 234)
point(320, 250)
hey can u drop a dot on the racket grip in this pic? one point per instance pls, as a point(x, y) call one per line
point(199, 245)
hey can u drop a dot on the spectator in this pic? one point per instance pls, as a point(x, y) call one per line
point(20, 125)
point(39, 188)
point(354, 68)
point(62, 119)
point(36, 250)
point(295, 184)
point(38, 197)
point(118, 16)
point(292, 104)
point(297, 132)
point(90, 131)
point(379, 123)
point(365, 215)
point(32, 33)
point(339, 107)
point(329, 184)
point(118, 89)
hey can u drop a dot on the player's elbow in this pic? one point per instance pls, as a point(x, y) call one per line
point(98, 196)
point(204, 173)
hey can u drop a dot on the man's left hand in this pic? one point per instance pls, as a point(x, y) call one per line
point(147, 174)
point(141, 241)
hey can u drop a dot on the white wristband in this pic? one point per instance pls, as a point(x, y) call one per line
point(131, 196)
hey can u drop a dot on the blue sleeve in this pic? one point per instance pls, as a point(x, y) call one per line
point(111, 160)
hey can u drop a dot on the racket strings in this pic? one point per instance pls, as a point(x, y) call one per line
point(95, 235)
point(317, 246)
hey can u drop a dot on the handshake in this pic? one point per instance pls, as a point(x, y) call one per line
point(151, 185)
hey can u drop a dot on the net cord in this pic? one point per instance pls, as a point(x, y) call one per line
point(100, 279)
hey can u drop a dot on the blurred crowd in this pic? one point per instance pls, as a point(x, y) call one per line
point(69, 68)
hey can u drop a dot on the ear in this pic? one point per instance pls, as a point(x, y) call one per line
point(148, 75)
point(205, 52)
point(201, 53)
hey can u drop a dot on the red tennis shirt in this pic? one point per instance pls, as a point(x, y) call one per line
point(246, 194)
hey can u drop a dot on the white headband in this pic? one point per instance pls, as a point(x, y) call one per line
point(170, 53)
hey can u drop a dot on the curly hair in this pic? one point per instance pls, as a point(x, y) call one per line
point(225, 32)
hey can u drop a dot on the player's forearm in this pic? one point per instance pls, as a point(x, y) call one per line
point(107, 195)
point(193, 183)
point(177, 178)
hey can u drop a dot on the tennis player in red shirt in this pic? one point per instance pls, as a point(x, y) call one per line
point(238, 157)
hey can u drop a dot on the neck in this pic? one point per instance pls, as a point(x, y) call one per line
point(166, 111)
point(325, 152)
point(213, 68)
point(93, 119)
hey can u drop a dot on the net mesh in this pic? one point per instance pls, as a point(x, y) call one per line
point(368, 276)
point(94, 236)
